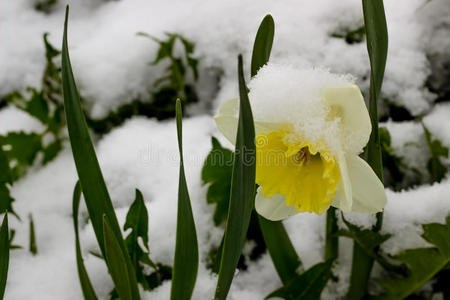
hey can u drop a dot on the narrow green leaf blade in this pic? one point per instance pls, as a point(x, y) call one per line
point(85, 282)
point(93, 185)
point(4, 254)
point(117, 262)
point(33, 246)
point(185, 265)
point(307, 286)
point(263, 44)
point(281, 250)
point(377, 44)
point(242, 191)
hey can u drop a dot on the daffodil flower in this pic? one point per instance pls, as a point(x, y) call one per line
point(310, 126)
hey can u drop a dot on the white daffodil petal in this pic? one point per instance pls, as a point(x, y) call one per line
point(274, 208)
point(227, 121)
point(343, 199)
point(350, 106)
point(369, 195)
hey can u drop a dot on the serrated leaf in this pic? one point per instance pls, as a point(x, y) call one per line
point(85, 282)
point(23, 146)
point(185, 264)
point(4, 254)
point(93, 185)
point(242, 193)
point(423, 263)
point(216, 172)
point(51, 151)
point(307, 286)
point(117, 262)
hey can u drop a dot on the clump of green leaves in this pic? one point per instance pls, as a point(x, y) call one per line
point(19, 150)
point(438, 151)
point(423, 263)
point(174, 84)
point(351, 35)
point(45, 6)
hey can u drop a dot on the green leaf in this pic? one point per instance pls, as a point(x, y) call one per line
point(435, 167)
point(377, 45)
point(263, 44)
point(23, 147)
point(85, 282)
point(117, 262)
point(94, 188)
point(216, 172)
point(242, 193)
point(137, 220)
point(5, 174)
point(281, 250)
point(33, 246)
point(185, 265)
point(51, 151)
point(307, 286)
point(423, 263)
point(4, 254)
point(6, 200)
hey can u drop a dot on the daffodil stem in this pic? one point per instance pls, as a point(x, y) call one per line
point(331, 237)
point(377, 44)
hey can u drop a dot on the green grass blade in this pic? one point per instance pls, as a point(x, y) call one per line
point(263, 44)
point(33, 246)
point(377, 44)
point(85, 282)
point(117, 263)
point(242, 191)
point(281, 250)
point(93, 185)
point(186, 249)
point(4, 254)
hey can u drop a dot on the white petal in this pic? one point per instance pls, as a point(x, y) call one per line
point(343, 199)
point(353, 110)
point(227, 121)
point(369, 195)
point(274, 208)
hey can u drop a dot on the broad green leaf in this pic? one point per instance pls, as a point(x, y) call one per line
point(216, 172)
point(117, 263)
point(4, 254)
point(33, 246)
point(423, 263)
point(94, 188)
point(22, 148)
point(281, 250)
point(185, 264)
point(377, 45)
point(263, 44)
point(307, 286)
point(242, 191)
point(85, 282)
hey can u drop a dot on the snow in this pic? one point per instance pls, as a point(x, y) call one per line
point(110, 65)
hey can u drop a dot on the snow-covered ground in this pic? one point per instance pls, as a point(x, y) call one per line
point(110, 65)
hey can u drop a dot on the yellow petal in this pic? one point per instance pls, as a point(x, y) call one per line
point(227, 121)
point(348, 103)
point(273, 208)
point(369, 195)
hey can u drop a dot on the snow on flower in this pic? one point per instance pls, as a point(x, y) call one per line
point(310, 125)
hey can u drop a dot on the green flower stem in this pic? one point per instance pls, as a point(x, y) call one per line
point(377, 43)
point(331, 237)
